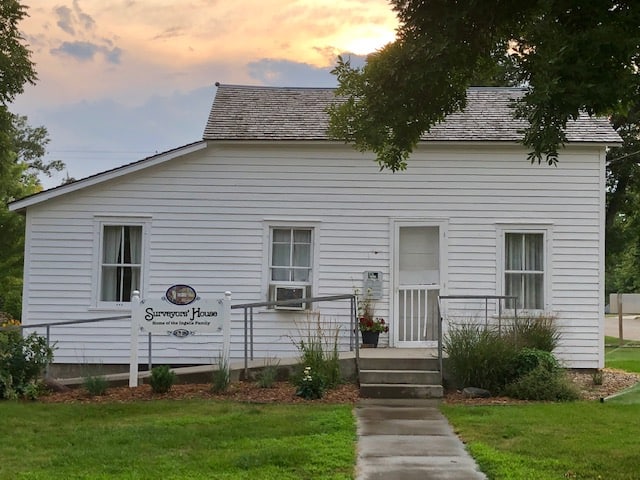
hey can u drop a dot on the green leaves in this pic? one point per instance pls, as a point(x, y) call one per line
point(16, 67)
point(571, 58)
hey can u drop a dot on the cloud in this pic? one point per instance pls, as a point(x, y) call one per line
point(65, 19)
point(113, 55)
point(92, 137)
point(85, 19)
point(170, 32)
point(275, 72)
point(85, 51)
point(81, 51)
point(69, 19)
point(74, 21)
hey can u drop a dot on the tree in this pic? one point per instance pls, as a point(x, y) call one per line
point(21, 151)
point(16, 67)
point(19, 168)
point(570, 56)
point(623, 206)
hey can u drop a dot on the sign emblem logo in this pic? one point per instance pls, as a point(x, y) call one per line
point(181, 294)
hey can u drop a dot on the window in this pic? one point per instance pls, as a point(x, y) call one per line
point(291, 255)
point(290, 267)
point(524, 271)
point(121, 262)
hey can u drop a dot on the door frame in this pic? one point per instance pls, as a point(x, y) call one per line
point(443, 234)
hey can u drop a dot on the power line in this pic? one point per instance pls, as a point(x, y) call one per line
point(103, 151)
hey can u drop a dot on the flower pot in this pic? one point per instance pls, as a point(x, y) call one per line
point(370, 339)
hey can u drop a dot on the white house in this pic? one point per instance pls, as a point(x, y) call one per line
point(266, 204)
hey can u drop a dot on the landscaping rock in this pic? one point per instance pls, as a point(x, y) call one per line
point(475, 392)
point(55, 386)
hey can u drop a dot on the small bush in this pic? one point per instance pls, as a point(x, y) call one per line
point(538, 332)
point(543, 384)
point(311, 385)
point(95, 385)
point(268, 375)
point(161, 379)
point(221, 377)
point(318, 347)
point(22, 362)
point(597, 377)
point(529, 359)
point(479, 356)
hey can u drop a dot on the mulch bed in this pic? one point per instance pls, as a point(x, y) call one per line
point(613, 381)
point(284, 392)
point(281, 392)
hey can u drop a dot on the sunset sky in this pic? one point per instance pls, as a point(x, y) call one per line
point(119, 80)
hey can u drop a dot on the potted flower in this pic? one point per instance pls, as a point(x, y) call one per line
point(369, 325)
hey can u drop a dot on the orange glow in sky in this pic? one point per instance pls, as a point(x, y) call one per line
point(119, 80)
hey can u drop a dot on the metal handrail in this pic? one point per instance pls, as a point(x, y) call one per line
point(248, 321)
point(486, 299)
point(67, 322)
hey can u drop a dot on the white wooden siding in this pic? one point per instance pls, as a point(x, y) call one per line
point(207, 211)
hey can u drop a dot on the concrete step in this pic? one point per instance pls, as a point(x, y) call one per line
point(421, 377)
point(385, 390)
point(412, 363)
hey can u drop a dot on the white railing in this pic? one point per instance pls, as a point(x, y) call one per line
point(418, 317)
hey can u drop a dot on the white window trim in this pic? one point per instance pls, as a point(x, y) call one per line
point(546, 229)
point(268, 226)
point(99, 223)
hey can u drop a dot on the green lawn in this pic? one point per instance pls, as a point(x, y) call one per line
point(626, 357)
point(539, 441)
point(195, 439)
point(581, 440)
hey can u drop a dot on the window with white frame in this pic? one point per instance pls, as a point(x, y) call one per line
point(120, 262)
point(290, 263)
point(524, 269)
point(291, 255)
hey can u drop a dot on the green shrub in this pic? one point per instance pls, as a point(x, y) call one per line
point(221, 377)
point(268, 375)
point(538, 332)
point(478, 356)
point(597, 377)
point(311, 385)
point(529, 359)
point(493, 359)
point(22, 362)
point(161, 379)
point(318, 347)
point(95, 385)
point(543, 384)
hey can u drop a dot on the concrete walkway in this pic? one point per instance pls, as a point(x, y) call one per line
point(407, 440)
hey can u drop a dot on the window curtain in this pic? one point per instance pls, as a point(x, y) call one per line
point(524, 269)
point(135, 246)
point(281, 255)
point(301, 255)
point(111, 253)
point(121, 262)
point(290, 255)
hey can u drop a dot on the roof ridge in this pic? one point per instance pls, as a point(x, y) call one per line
point(294, 87)
point(270, 87)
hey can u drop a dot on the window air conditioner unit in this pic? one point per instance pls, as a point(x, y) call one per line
point(282, 293)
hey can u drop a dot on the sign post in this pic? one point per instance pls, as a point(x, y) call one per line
point(180, 313)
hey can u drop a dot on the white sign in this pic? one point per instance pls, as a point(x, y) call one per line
point(180, 313)
point(160, 316)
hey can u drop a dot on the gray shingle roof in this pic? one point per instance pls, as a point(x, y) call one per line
point(288, 113)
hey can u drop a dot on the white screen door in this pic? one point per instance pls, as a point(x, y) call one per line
point(417, 285)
